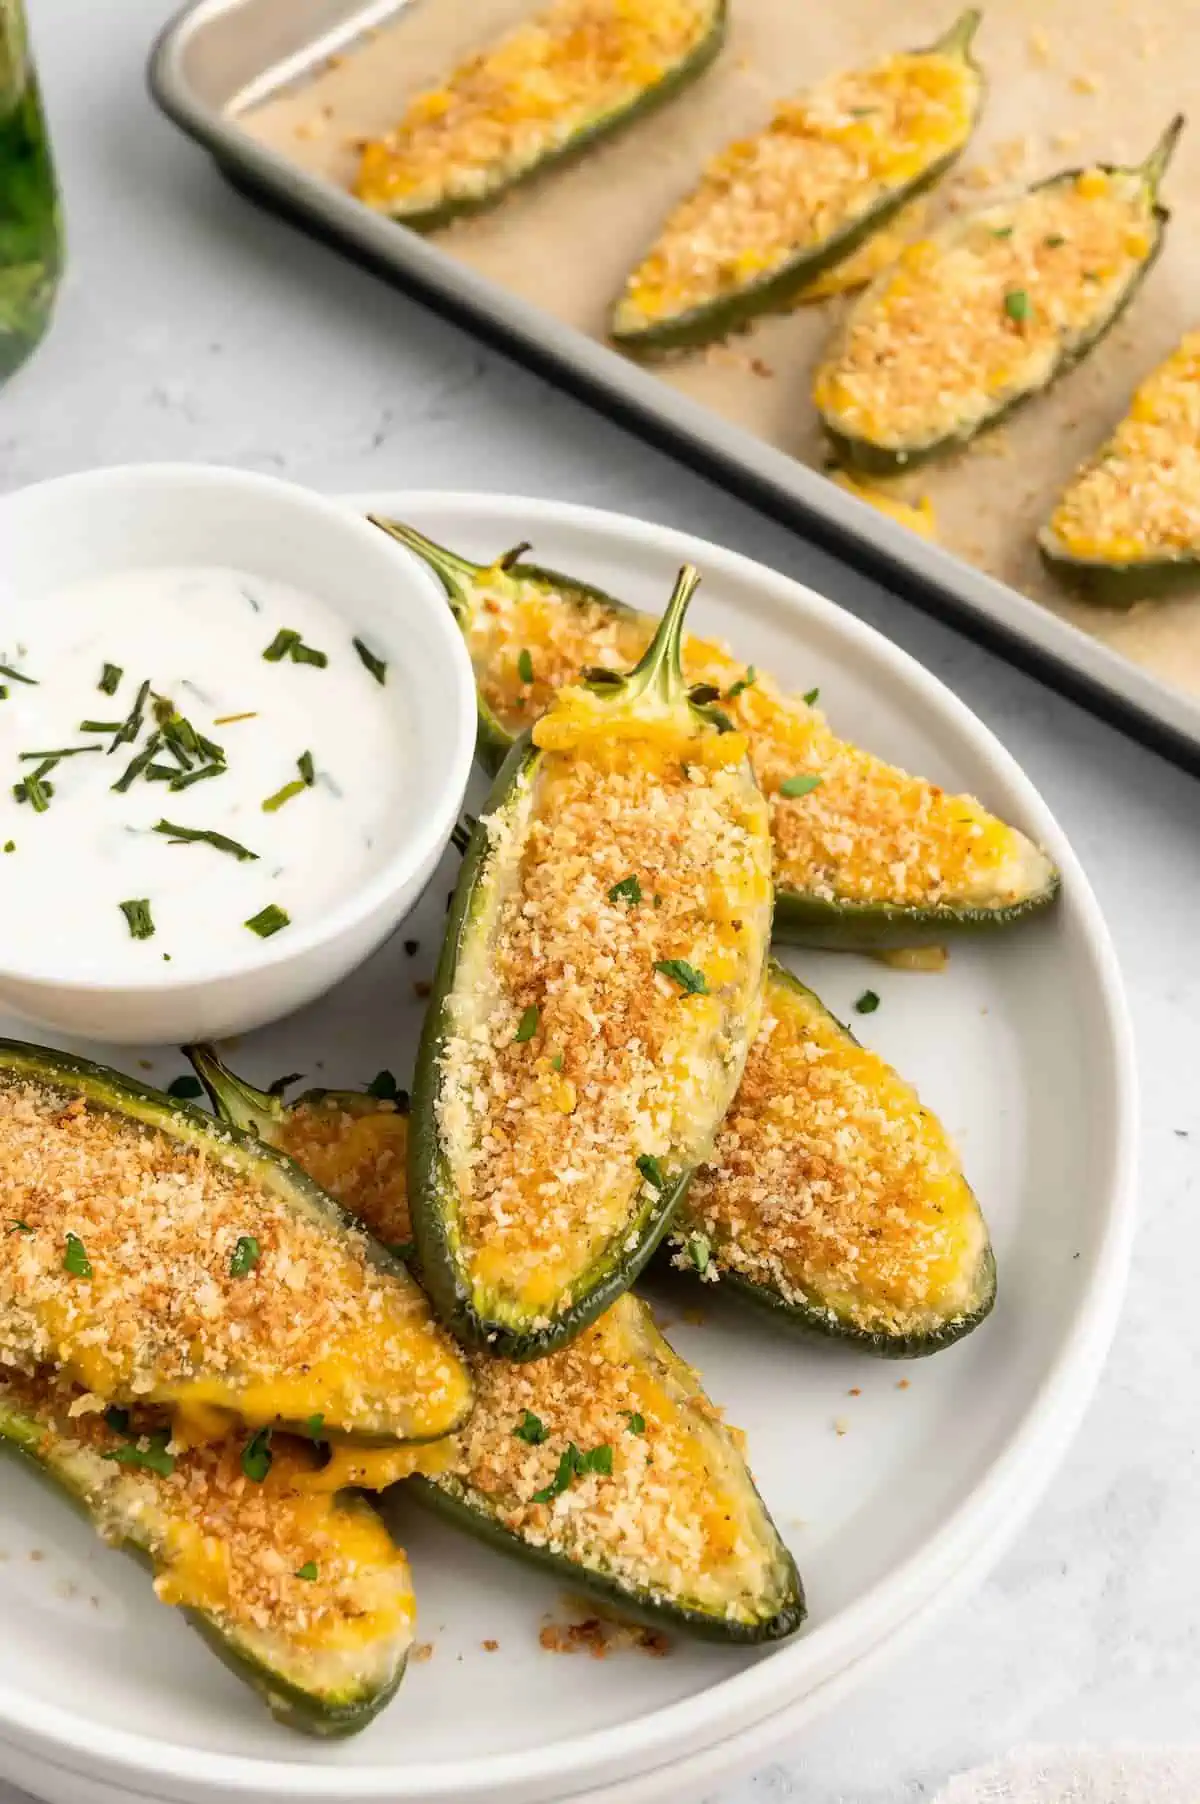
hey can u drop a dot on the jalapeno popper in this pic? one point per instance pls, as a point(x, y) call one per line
point(598, 990)
point(864, 854)
point(576, 73)
point(304, 1596)
point(1127, 526)
point(604, 1462)
point(832, 1198)
point(774, 211)
point(989, 311)
point(155, 1257)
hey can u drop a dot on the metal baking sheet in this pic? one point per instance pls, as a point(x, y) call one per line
point(281, 92)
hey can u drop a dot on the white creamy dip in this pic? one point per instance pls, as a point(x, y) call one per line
point(198, 635)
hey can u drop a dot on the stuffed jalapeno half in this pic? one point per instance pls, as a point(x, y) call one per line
point(865, 855)
point(557, 84)
point(157, 1257)
point(773, 212)
point(604, 1463)
point(597, 993)
point(988, 312)
point(304, 1596)
point(1127, 526)
point(833, 1198)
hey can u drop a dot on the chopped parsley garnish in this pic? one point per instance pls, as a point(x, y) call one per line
point(744, 682)
point(376, 666)
point(153, 1457)
point(1002, 231)
point(117, 1419)
point(651, 1170)
point(556, 1063)
point(245, 1256)
point(383, 1087)
point(574, 1464)
point(307, 1571)
point(18, 1227)
point(268, 920)
point(257, 1457)
point(185, 1088)
point(137, 913)
point(867, 1003)
point(628, 890)
point(527, 1025)
point(289, 644)
point(1054, 240)
point(531, 1429)
point(1018, 305)
point(315, 1424)
point(110, 679)
point(75, 1259)
point(185, 836)
point(691, 981)
point(636, 1422)
point(131, 726)
point(811, 698)
point(525, 665)
point(799, 786)
point(17, 676)
point(699, 1251)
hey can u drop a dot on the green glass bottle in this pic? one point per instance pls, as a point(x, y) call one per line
point(30, 219)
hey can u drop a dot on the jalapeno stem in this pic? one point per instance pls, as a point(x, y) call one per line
point(455, 573)
point(661, 666)
point(1155, 167)
point(957, 41)
point(256, 1109)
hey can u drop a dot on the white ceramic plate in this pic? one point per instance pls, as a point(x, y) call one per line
point(1021, 1045)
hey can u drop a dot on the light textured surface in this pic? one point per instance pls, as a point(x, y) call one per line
point(195, 327)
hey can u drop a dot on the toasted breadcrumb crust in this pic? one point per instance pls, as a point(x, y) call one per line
point(676, 1519)
point(876, 253)
point(358, 1155)
point(166, 1305)
point(868, 833)
point(219, 1541)
point(826, 160)
point(1138, 499)
point(568, 1054)
point(833, 1187)
point(985, 310)
point(507, 109)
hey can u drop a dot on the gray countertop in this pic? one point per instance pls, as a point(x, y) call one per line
point(194, 327)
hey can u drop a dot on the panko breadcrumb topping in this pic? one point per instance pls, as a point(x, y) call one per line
point(256, 1556)
point(867, 833)
point(358, 1155)
point(569, 1056)
point(150, 1268)
point(1138, 499)
point(675, 1517)
point(985, 310)
point(830, 1184)
point(514, 105)
point(827, 159)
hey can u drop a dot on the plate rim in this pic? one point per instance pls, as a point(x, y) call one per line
point(1020, 1469)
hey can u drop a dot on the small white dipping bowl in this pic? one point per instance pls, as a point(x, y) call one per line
point(107, 521)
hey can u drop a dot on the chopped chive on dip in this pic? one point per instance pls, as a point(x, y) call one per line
point(288, 644)
point(137, 913)
point(245, 1256)
point(17, 676)
point(268, 920)
point(185, 1088)
point(75, 1259)
point(110, 679)
point(867, 1003)
point(376, 666)
point(1018, 305)
point(528, 1024)
point(297, 786)
point(187, 836)
point(257, 1457)
point(691, 981)
point(100, 726)
point(62, 751)
point(800, 785)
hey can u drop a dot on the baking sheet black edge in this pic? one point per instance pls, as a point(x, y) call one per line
point(942, 603)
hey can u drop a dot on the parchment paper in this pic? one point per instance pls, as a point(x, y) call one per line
point(1069, 81)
